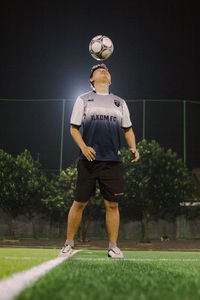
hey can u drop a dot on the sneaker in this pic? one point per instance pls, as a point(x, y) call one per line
point(66, 251)
point(115, 253)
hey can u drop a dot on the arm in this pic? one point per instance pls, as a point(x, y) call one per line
point(88, 152)
point(130, 138)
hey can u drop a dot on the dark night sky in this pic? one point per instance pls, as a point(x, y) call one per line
point(44, 49)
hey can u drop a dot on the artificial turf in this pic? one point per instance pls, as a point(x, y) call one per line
point(14, 260)
point(149, 275)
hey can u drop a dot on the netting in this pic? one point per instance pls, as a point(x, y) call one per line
point(42, 127)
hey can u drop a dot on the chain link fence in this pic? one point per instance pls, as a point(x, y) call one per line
point(42, 126)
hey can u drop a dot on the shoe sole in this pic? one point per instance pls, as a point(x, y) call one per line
point(115, 256)
point(65, 254)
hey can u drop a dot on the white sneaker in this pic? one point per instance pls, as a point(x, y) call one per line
point(66, 251)
point(115, 253)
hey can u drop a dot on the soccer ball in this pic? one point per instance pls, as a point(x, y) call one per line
point(101, 47)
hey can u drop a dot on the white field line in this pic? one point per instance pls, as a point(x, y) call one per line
point(13, 285)
point(139, 259)
point(25, 257)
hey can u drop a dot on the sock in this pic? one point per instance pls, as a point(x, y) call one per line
point(71, 243)
point(112, 245)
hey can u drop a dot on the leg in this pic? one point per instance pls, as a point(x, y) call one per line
point(84, 189)
point(74, 218)
point(112, 223)
point(112, 220)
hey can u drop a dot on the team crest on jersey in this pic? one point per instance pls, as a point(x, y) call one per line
point(117, 103)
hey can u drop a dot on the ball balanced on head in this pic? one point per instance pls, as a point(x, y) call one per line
point(101, 47)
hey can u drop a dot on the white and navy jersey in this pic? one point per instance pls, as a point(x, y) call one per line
point(102, 117)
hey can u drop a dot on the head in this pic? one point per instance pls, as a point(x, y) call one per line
point(100, 75)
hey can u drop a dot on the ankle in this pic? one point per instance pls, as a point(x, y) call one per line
point(70, 243)
point(112, 245)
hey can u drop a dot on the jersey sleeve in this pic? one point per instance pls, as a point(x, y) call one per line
point(77, 112)
point(126, 121)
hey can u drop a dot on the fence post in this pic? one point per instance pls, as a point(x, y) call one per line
point(62, 134)
point(184, 131)
point(184, 158)
point(144, 119)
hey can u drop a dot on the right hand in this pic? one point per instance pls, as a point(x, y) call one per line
point(89, 153)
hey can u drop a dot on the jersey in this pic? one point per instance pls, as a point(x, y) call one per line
point(102, 117)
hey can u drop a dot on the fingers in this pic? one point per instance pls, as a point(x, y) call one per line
point(89, 153)
point(135, 160)
point(136, 154)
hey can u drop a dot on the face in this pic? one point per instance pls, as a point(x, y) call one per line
point(101, 76)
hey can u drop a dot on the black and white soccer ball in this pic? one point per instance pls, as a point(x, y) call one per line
point(101, 47)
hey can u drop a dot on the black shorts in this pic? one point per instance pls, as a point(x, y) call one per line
point(109, 175)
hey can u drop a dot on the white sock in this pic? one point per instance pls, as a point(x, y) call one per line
point(112, 245)
point(71, 243)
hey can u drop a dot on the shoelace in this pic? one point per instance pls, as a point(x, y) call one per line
point(65, 246)
point(116, 250)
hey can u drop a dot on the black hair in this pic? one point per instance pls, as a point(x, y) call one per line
point(94, 68)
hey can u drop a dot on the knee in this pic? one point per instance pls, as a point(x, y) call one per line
point(111, 205)
point(79, 205)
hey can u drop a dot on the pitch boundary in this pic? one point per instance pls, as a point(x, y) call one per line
point(139, 259)
point(13, 285)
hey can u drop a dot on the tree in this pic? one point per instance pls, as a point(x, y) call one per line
point(8, 188)
point(31, 185)
point(59, 195)
point(20, 185)
point(155, 185)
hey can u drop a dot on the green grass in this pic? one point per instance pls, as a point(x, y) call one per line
point(149, 277)
point(14, 260)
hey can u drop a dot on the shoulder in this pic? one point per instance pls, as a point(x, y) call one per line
point(118, 99)
point(86, 96)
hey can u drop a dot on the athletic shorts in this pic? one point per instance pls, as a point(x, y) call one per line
point(109, 175)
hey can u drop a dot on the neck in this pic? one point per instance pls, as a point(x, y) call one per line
point(102, 88)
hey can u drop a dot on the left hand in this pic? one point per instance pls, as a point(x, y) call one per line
point(135, 153)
